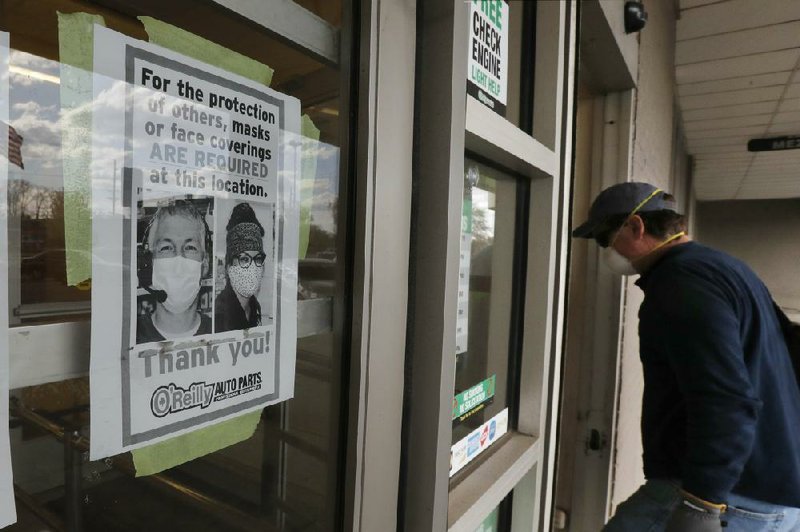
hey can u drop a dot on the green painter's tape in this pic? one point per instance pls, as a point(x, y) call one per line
point(75, 49)
point(175, 451)
point(186, 43)
point(308, 173)
point(181, 449)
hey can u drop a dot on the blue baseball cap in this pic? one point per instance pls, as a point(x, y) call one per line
point(623, 198)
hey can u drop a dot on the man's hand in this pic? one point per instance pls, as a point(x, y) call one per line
point(695, 515)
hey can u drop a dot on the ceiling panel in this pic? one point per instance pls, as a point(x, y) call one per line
point(746, 165)
point(720, 141)
point(734, 122)
point(756, 191)
point(774, 166)
point(789, 118)
point(730, 111)
point(740, 43)
point(757, 131)
point(688, 4)
point(724, 133)
point(773, 179)
point(716, 150)
point(737, 71)
point(728, 184)
point(783, 156)
point(783, 129)
point(713, 162)
point(738, 78)
point(720, 166)
point(737, 66)
point(719, 99)
point(705, 195)
point(793, 90)
point(745, 169)
point(732, 84)
point(762, 179)
point(720, 171)
point(725, 180)
point(790, 105)
point(734, 15)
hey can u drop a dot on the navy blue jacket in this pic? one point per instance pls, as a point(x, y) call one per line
point(721, 406)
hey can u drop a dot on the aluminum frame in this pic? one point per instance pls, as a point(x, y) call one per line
point(292, 22)
point(447, 124)
point(382, 156)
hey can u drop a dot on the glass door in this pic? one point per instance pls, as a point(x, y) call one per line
point(284, 474)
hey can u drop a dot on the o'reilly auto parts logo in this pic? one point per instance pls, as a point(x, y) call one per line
point(172, 398)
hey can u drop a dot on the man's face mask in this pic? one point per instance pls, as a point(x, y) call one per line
point(616, 262)
point(179, 277)
point(246, 273)
point(177, 261)
point(619, 264)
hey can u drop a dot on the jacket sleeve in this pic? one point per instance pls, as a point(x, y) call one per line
point(702, 336)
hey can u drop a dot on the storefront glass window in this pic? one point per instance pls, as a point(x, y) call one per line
point(481, 394)
point(287, 475)
point(499, 519)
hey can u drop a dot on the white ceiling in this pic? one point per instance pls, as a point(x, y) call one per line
point(737, 66)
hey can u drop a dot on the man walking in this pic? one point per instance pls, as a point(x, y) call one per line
point(721, 405)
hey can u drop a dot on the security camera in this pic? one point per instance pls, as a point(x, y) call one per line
point(635, 16)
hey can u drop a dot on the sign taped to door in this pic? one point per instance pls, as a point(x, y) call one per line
point(195, 175)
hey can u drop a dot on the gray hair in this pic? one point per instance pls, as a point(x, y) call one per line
point(177, 208)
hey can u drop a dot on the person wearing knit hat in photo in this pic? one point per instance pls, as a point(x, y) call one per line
point(236, 306)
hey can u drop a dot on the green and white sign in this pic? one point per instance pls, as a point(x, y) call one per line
point(487, 67)
point(468, 401)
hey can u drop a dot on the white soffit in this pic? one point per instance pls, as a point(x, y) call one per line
point(737, 69)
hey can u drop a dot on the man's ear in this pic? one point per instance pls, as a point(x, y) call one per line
point(637, 226)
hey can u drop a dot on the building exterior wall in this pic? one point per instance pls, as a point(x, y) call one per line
point(764, 234)
point(653, 159)
point(627, 43)
point(609, 56)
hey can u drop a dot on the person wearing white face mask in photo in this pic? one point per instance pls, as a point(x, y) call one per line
point(721, 404)
point(236, 306)
point(177, 240)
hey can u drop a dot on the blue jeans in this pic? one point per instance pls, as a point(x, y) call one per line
point(649, 509)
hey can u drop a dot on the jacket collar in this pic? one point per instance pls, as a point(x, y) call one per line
point(644, 279)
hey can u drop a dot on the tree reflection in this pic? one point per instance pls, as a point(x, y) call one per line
point(27, 201)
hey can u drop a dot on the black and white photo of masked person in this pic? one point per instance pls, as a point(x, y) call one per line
point(237, 306)
point(177, 240)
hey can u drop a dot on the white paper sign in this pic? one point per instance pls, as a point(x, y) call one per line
point(195, 176)
point(462, 319)
point(8, 512)
point(487, 66)
point(465, 260)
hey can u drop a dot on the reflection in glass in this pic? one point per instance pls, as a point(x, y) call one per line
point(499, 519)
point(286, 476)
point(482, 357)
point(35, 189)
